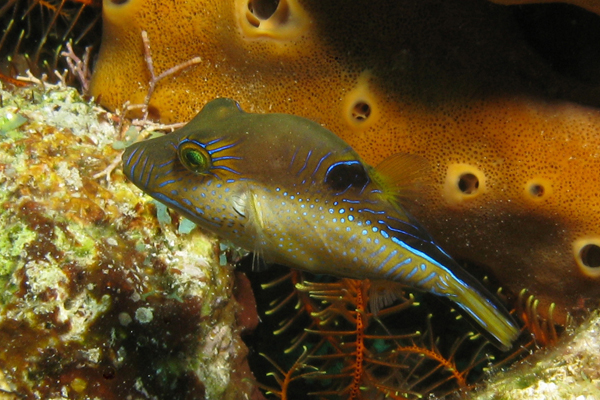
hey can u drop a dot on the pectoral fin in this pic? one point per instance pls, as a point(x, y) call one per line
point(247, 205)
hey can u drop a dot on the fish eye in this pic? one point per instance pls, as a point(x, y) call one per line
point(343, 175)
point(194, 157)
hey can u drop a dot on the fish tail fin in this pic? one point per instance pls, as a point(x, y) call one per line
point(498, 325)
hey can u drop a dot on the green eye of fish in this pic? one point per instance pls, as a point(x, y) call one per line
point(194, 157)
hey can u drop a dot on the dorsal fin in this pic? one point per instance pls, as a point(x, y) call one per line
point(403, 176)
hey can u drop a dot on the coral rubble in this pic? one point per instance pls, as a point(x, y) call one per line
point(99, 299)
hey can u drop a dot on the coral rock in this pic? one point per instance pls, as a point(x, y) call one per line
point(571, 370)
point(99, 299)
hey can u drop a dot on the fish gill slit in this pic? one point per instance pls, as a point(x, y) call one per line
point(256, 217)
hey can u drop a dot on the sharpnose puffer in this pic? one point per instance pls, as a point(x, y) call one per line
point(293, 191)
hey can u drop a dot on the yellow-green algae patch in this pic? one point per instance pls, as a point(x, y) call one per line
point(99, 300)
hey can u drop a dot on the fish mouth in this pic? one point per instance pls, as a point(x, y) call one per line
point(151, 165)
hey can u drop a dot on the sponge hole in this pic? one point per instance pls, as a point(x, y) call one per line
point(590, 256)
point(463, 182)
point(587, 256)
point(118, 2)
point(280, 20)
point(538, 189)
point(360, 108)
point(263, 9)
point(468, 183)
point(361, 111)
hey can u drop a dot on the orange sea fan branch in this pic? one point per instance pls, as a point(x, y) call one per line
point(285, 378)
point(12, 81)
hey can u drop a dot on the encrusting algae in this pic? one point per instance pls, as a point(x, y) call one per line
point(99, 299)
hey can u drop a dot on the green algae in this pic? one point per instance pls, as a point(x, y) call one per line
point(9, 122)
point(131, 136)
point(525, 381)
point(162, 213)
point(12, 241)
point(185, 226)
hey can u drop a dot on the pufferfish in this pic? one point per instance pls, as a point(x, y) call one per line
point(293, 191)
